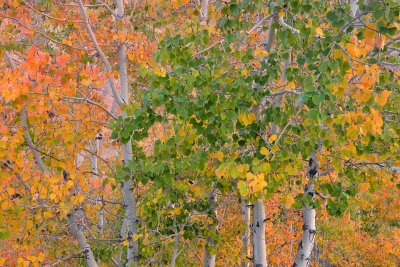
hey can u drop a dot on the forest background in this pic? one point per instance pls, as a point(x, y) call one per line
point(188, 132)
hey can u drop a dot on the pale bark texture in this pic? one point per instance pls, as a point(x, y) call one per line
point(258, 227)
point(209, 257)
point(95, 175)
point(77, 233)
point(306, 245)
point(259, 247)
point(204, 11)
point(246, 235)
point(127, 186)
point(175, 251)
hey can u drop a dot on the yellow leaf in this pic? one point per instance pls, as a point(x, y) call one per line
point(136, 236)
point(272, 138)
point(264, 151)
point(40, 256)
point(289, 201)
point(364, 187)
point(181, 132)
point(370, 34)
point(242, 188)
point(289, 169)
point(382, 98)
point(11, 191)
point(177, 211)
point(252, 117)
point(266, 167)
point(80, 198)
point(319, 31)
point(122, 36)
point(249, 176)
point(281, 14)
point(163, 72)
point(219, 155)
point(274, 148)
point(125, 243)
point(240, 168)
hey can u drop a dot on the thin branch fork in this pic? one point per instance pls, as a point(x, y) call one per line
point(69, 256)
point(259, 23)
point(46, 36)
point(284, 24)
point(285, 91)
point(208, 48)
point(105, 161)
point(100, 52)
point(93, 103)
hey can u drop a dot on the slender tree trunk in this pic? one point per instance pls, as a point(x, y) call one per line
point(176, 244)
point(246, 235)
point(127, 186)
point(123, 233)
point(306, 245)
point(77, 233)
point(259, 247)
point(95, 175)
point(203, 17)
point(209, 257)
point(175, 252)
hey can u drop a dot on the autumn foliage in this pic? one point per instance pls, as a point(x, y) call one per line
point(205, 110)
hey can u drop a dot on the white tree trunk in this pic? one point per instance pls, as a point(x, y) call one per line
point(259, 248)
point(77, 233)
point(209, 258)
point(175, 251)
point(204, 11)
point(309, 229)
point(127, 193)
point(127, 186)
point(306, 245)
point(95, 175)
point(246, 235)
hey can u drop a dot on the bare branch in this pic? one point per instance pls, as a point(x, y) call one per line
point(100, 52)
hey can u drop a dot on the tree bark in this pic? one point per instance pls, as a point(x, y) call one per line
point(176, 244)
point(204, 11)
point(209, 257)
point(95, 175)
point(77, 233)
point(246, 235)
point(259, 247)
point(306, 245)
point(127, 186)
point(127, 194)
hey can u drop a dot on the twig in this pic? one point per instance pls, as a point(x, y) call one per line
point(70, 256)
point(284, 24)
point(208, 48)
point(105, 161)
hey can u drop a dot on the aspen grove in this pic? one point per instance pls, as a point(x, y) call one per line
point(199, 133)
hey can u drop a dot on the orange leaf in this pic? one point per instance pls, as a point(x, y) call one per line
point(379, 42)
point(382, 98)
